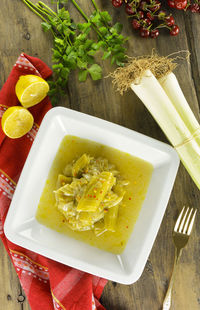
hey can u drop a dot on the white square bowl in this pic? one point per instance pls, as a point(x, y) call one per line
point(22, 228)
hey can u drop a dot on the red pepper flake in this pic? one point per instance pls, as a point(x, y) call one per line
point(94, 196)
point(129, 198)
point(126, 226)
point(88, 195)
point(101, 192)
point(105, 210)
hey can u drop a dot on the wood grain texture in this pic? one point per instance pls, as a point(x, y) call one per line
point(20, 31)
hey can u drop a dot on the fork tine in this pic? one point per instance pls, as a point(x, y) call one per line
point(183, 220)
point(178, 220)
point(191, 223)
point(185, 228)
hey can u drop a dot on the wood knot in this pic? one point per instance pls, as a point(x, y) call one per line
point(149, 267)
point(114, 284)
point(9, 297)
point(21, 298)
point(27, 36)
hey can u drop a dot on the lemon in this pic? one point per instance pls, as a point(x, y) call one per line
point(16, 122)
point(31, 89)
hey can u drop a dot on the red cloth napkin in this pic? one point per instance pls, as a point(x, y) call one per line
point(48, 285)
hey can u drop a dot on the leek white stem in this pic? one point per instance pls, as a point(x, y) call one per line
point(171, 122)
point(157, 102)
point(172, 88)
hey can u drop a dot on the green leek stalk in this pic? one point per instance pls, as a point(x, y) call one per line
point(173, 121)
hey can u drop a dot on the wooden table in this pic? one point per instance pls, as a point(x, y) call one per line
point(20, 31)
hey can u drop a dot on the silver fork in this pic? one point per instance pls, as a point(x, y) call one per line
point(181, 234)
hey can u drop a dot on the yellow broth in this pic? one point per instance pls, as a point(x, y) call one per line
point(137, 171)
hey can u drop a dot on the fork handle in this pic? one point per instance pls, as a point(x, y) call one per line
point(168, 296)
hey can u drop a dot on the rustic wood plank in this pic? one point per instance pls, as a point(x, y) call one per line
point(20, 32)
point(100, 99)
point(9, 283)
point(193, 35)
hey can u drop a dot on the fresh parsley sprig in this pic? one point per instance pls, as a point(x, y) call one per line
point(74, 49)
point(109, 37)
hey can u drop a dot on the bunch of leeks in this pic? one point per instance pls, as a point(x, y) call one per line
point(164, 99)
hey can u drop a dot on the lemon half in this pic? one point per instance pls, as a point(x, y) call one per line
point(31, 89)
point(16, 122)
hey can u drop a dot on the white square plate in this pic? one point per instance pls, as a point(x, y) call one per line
point(22, 228)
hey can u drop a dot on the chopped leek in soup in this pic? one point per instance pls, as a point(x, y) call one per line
point(94, 193)
point(89, 193)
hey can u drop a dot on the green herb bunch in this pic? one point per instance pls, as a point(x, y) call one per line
point(73, 47)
